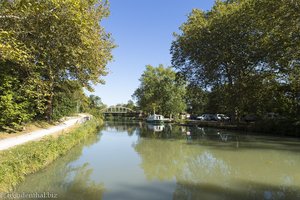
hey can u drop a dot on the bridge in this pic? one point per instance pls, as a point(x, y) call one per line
point(119, 111)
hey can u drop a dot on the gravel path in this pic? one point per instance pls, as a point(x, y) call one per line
point(14, 141)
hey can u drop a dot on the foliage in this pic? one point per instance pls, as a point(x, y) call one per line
point(95, 105)
point(130, 104)
point(20, 161)
point(196, 99)
point(67, 100)
point(160, 90)
point(96, 102)
point(249, 49)
point(15, 106)
point(50, 45)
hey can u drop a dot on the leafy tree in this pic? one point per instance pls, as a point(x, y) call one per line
point(95, 102)
point(13, 106)
point(68, 100)
point(196, 99)
point(130, 104)
point(50, 43)
point(160, 91)
point(95, 105)
point(216, 100)
point(240, 46)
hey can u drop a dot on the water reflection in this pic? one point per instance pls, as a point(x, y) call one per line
point(143, 161)
point(202, 169)
point(156, 127)
point(121, 126)
point(64, 179)
point(187, 190)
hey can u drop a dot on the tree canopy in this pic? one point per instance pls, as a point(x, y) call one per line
point(161, 91)
point(47, 49)
point(249, 49)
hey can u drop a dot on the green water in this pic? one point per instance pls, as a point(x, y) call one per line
point(141, 161)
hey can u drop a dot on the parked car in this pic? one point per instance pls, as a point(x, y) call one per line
point(201, 117)
point(221, 117)
point(206, 117)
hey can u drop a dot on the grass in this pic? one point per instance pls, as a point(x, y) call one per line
point(31, 157)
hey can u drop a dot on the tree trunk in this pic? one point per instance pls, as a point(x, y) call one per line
point(50, 107)
point(49, 112)
point(232, 99)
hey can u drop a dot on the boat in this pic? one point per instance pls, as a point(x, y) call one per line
point(156, 119)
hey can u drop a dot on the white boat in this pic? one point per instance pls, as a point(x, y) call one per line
point(156, 119)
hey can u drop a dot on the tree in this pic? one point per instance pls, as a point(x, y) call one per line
point(95, 102)
point(95, 106)
point(239, 46)
point(68, 100)
point(130, 104)
point(196, 99)
point(160, 91)
point(49, 43)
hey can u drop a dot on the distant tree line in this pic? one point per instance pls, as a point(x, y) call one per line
point(49, 51)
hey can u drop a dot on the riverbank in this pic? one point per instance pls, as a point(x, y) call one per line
point(70, 122)
point(284, 128)
point(39, 125)
point(17, 162)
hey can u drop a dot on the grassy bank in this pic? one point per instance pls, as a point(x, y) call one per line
point(22, 160)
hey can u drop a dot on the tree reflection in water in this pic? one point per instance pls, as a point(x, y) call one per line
point(121, 126)
point(65, 180)
point(177, 162)
point(214, 165)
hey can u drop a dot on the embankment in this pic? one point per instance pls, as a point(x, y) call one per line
point(16, 163)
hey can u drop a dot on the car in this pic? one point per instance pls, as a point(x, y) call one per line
point(206, 117)
point(201, 117)
point(221, 117)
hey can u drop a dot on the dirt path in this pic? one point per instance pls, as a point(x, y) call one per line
point(21, 139)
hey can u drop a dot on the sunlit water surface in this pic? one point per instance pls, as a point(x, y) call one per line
point(143, 161)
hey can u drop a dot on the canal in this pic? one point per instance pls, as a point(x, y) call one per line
point(142, 161)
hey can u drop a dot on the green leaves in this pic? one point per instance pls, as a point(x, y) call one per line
point(13, 105)
point(48, 43)
point(160, 91)
point(245, 47)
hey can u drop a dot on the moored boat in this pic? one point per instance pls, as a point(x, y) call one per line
point(156, 119)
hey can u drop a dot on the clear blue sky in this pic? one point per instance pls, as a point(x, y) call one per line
point(143, 31)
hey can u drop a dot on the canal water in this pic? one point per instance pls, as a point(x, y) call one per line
point(143, 161)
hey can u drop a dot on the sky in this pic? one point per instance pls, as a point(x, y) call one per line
point(143, 32)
